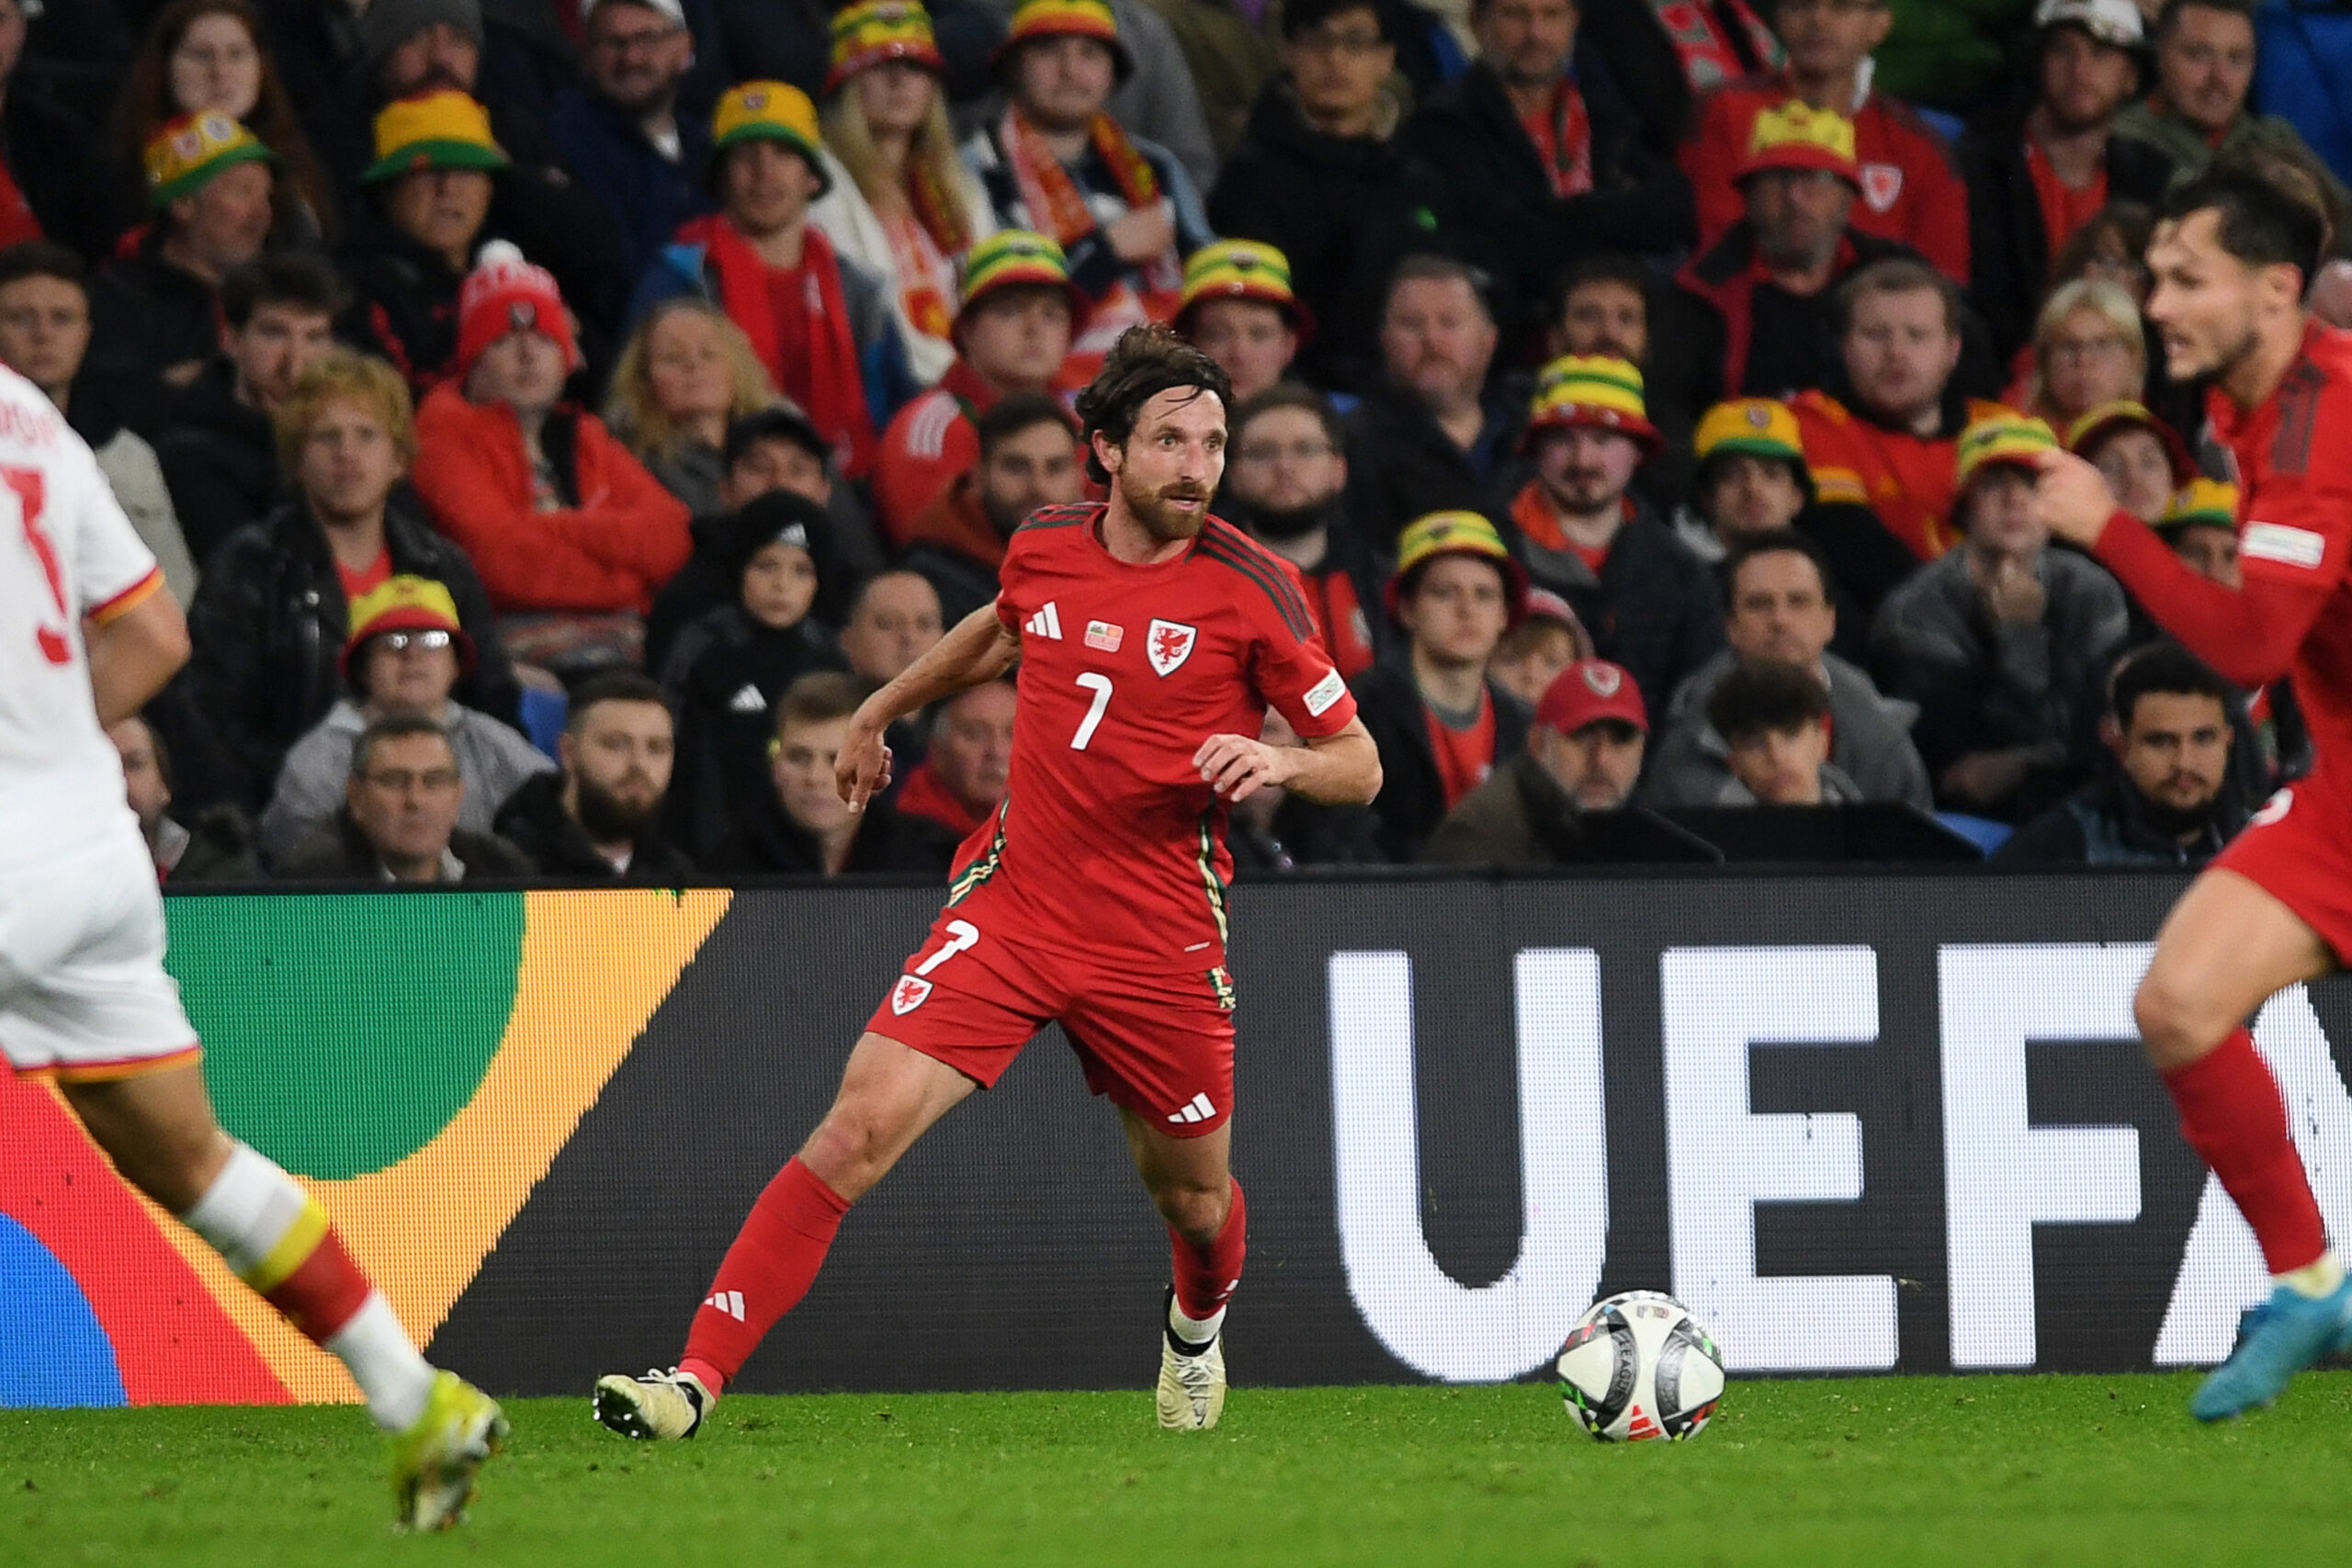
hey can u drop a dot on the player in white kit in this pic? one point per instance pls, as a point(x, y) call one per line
point(87, 635)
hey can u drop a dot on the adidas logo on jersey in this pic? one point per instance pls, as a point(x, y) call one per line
point(1199, 1110)
point(1047, 623)
point(748, 700)
point(728, 1302)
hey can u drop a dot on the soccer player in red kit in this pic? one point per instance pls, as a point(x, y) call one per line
point(1151, 639)
point(2232, 261)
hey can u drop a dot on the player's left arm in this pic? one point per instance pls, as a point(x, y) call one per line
point(134, 652)
point(1339, 769)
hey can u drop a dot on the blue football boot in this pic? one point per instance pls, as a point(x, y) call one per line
point(2275, 1340)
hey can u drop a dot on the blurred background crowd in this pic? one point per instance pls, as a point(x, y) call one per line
point(558, 415)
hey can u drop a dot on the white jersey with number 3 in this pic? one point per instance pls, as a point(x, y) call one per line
point(66, 553)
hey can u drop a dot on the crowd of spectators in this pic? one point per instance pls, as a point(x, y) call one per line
point(557, 414)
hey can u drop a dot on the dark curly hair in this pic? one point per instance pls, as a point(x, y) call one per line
point(1143, 362)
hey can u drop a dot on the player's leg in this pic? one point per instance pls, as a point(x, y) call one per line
point(890, 1095)
point(160, 1130)
point(1191, 1185)
point(2226, 948)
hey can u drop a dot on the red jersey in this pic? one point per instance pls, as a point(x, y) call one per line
point(1108, 840)
point(1908, 480)
point(2293, 454)
point(927, 444)
point(1911, 188)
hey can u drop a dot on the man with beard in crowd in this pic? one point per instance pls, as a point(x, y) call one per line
point(2166, 796)
point(1284, 484)
point(599, 819)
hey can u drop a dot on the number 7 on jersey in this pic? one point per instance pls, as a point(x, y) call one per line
point(1100, 685)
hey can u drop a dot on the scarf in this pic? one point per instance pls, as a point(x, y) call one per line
point(936, 207)
point(836, 401)
point(1149, 292)
point(1562, 138)
point(926, 274)
point(1715, 49)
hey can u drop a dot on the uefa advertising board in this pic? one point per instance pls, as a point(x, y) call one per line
point(1858, 1123)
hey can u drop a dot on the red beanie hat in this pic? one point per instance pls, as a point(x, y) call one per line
point(504, 293)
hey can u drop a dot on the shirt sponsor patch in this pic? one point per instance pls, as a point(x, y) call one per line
point(1102, 634)
point(1324, 693)
point(2276, 541)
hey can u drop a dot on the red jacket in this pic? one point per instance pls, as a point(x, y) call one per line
point(1911, 186)
point(624, 539)
point(929, 442)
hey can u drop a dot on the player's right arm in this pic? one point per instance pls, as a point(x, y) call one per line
point(980, 648)
point(134, 654)
point(2291, 566)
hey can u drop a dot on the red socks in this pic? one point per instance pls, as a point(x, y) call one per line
point(2233, 1116)
point(775, 1259)
point(1205, 1276)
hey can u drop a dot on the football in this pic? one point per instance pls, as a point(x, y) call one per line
point(1639, 1366)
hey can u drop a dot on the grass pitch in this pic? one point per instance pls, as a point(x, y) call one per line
point(2058, 1469)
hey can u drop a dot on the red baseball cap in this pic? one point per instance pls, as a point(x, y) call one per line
point(1590, 690)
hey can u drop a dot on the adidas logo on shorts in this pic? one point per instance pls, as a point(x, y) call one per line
point(1199, 1110)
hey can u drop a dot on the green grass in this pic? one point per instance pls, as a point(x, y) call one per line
point(2079, 1470)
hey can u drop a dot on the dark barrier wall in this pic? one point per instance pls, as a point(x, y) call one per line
point(1859, 1125)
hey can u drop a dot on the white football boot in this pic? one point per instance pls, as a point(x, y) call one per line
point(1192, 1381)
point(660, 1406)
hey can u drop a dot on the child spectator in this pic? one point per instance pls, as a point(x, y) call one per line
point(2144, 460)
point(1774, 719)
point(728, 669)
point(1239, 311)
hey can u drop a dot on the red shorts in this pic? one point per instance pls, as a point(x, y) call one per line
point(2297, 849)
point(1156, 1042)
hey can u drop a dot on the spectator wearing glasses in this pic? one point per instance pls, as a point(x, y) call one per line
point(622, 133)
point(404, 657)
point(2090, 350)
point(1320, 175)
point(398, 822)
point(1286, 482)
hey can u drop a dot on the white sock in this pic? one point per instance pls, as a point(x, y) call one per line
point(247, 1210)
point(1193, 1330)
point(384, 1362)
point(2314, 1280)
point(252, 1207)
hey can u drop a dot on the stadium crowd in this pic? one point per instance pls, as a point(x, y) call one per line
point(557, 414)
